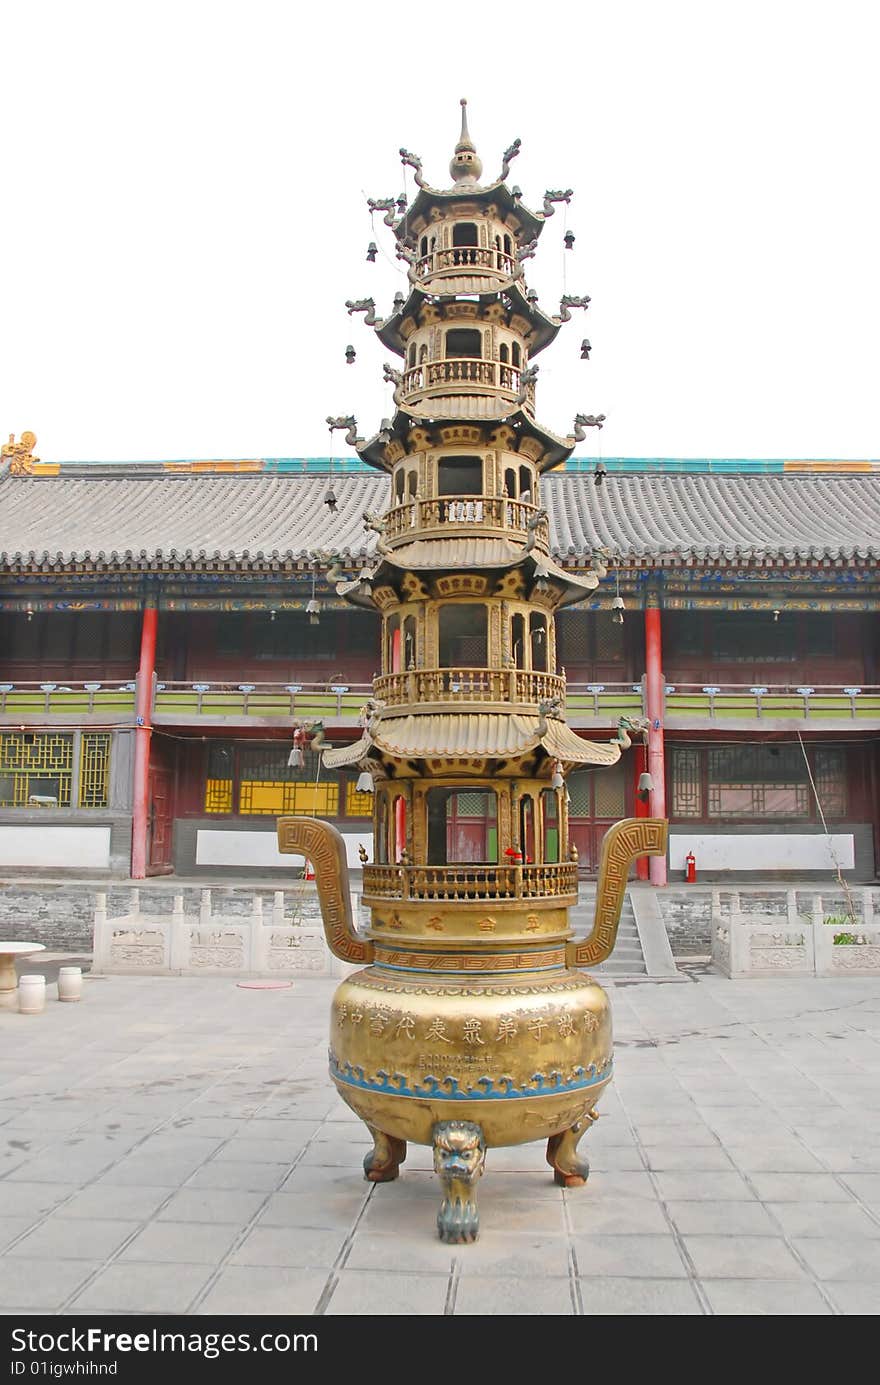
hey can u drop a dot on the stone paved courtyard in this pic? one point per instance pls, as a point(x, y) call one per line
point(174, 1145)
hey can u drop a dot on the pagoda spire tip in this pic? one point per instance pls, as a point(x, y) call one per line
point(466, 165)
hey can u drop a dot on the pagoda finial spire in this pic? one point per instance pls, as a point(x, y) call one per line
point(466, 165)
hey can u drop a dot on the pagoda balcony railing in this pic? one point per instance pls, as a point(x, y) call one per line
point(488, 511)
point(463, 685)
point(466, 257)
point(460, 373)
point(470, 883)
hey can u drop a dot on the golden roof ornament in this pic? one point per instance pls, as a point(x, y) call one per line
point(466, 166)
point(19, 455)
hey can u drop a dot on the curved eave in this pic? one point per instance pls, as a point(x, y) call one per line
point(488, 735)
point(491, 555)
point(427, 197)
point(544, 329)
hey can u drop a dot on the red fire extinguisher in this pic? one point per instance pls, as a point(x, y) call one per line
point(690, 862)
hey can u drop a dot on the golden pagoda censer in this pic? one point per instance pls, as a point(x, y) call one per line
point(469, 1026)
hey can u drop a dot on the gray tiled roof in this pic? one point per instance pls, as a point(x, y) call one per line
point(140, 520)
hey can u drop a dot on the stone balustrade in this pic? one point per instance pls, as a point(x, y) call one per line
point(795, 933)
point(207, 944)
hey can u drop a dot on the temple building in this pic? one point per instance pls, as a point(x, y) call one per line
point(181, 640)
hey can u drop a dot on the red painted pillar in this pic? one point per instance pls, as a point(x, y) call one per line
point(143, 716)
point(654, 696)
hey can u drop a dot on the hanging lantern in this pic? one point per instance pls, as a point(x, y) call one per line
point(568, 238)
point(646, 786)
point(617, 610)
point(350, 355)
point(557, 782)
point(365, 782)
point(401, 203)
point(586, 348)
point(313, 611)
point(372, 252)
point(599, 473)
point(330, 501)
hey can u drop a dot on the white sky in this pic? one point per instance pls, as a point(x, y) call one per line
point(183, 215)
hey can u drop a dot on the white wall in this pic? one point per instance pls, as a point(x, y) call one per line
point(84, 848)
point(770, 851)
point(218, 848)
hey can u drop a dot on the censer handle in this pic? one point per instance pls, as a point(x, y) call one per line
point(622, 843)
point(325, 848)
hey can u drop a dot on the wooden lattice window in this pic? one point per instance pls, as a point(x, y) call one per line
point(268, 786)
point(757, 781)
point(686, 782)
point(94, 770)
point(357, 805)
point(36, 769)
point(830, 775)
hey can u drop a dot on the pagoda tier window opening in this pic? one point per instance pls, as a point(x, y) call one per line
point(462, 826)
point(460, 476)
point(538, 641)
point(551, 853)
point(463, 635)
point(518, 640)
point(464, 343)
point(465, 239)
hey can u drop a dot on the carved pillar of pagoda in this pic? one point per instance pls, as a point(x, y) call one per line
point(143, 733)
point(655, 700)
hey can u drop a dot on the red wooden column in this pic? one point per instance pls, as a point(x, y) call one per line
point(143, 716)
point(654, 697)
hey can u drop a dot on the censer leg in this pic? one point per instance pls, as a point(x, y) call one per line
point(459, 1158)
point(383, 1162)
point(569, 1170)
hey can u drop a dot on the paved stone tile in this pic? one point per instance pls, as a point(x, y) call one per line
point(248, 1178)
point(757, 1158)
point(798, 1187)
point(137, 1169)
point(616, 1216)
point(855, 1257)
point(866, 1186)
point(361, 1293)
point(634, 1297)
point(249, 1291)
point(32, 1199)
point(503, 1297)
point(424, 1253)
point(244, 1151)
point(854, 1299)
point(696, 1158)
point(824, 1219)
point(108, 1202)
point(705, 1187)
point(742, 1257)
point(295, 1247)
point(764, 1297)
point(41, 1285)
point(684, 1136)
point(13, 1227)
point(641, 1257)
point(133, 1288)
point(518, 1255)
point(212, 1205)
point(330, 1211)
point(733, 1218)
point(603, 1183)
point(176, 1243)
point(58, 1238)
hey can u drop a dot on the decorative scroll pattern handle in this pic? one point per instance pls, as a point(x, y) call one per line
point(621, 845)
point(325, 848)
